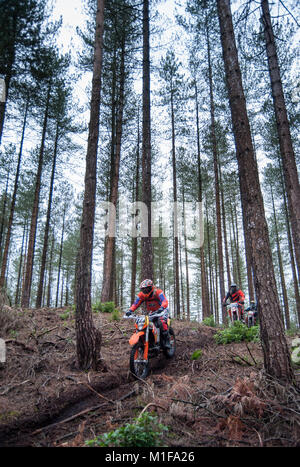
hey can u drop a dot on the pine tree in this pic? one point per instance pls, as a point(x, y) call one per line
point(22, 31)
point(146, 242)
point(87, 336)
point(171, 95)
point(286, 147)
point(276, 355)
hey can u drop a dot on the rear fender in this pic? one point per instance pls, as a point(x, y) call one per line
point(135, 337)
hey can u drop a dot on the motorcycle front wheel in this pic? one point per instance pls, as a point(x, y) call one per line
point(169, 353)
point(138, 366)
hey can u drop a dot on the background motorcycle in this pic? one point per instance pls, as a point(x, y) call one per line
point(250, 318)
point(234, 312)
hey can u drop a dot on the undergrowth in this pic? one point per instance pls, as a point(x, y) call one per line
point(238, 332)
point(105, 307)
point(145, 432)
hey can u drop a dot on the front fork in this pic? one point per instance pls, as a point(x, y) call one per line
point(146, 345)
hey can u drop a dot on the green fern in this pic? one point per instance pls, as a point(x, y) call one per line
point(145, 432)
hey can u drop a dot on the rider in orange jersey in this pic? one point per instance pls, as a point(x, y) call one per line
point(235, 295)
point(155, 301)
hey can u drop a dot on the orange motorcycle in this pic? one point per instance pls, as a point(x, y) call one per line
point(146, 343)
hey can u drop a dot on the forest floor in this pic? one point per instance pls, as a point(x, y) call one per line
point(222, 399)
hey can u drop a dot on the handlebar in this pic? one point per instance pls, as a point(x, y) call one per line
point(156, 315)
point(151, 317)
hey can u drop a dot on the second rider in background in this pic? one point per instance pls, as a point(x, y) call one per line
point(235, 295)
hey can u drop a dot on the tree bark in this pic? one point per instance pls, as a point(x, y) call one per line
point(60, 256)
point(50, 271)
point(224, 231)
point(88, 338)
point(275, 350)
point(47, 226)
point(216, 175)
point(34, 216)
point(209, 310)
point(20, 265)
point(13, 203)
point(188, 308)
point(175, 213)
point(292, 258)
point(282, 278)
point(204, 285)
point(3, 216)
point(146, 241)
point(107, 288)
point(283, 128)
point(3, 104)
point(134, 239)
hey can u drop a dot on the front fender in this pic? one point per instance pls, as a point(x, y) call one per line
point(135, 337)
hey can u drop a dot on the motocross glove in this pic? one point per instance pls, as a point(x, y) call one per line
point(129, 312)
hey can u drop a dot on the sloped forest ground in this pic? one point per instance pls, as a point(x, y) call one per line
point(221, 399)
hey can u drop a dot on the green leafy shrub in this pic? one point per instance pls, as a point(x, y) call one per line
point(145, 432)
point(68, 314)
point(97, 307)
point(237, 333)
point(108, 307)
point(196, 355)
point(105, 307)
point(209, 321)
point(115, 316)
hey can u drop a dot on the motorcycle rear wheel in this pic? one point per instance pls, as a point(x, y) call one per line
point(169, 353)
point(138, 366)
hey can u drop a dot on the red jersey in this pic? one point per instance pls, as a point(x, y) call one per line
point(156, 300)
point(237, 296)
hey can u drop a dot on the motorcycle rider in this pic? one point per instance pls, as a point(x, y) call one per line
point(235, 295)
point(155, 301)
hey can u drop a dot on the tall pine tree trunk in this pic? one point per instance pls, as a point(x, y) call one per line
point(20, 265)
point(283, 128)
point(275, 350)
point(282, 278)
point(134, 239)
point(3, 105)
point(47, 226)
point(225, 232)
point(109, 255)
point(292, 258)
point(13, 203)
point(204, 288)
point(34, 216)
point(175, 213)
point(50, 271)
point(88, 338)
point(216, 174)
point(146, 241)
point(188, 308)
point(3, 216)
point(60, 256)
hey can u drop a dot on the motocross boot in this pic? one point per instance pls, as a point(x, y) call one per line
point(166, 340)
